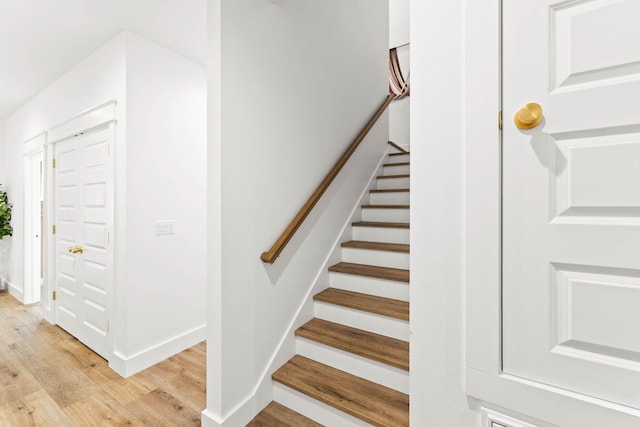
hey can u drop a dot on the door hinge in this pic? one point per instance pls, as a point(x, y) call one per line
point(53, 162)
point(500, 120)
point(53, 229)
point(54, 295)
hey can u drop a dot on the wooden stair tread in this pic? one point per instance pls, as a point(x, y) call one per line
point(381, 224)
point(388, 165)
point(380, 348)
point(405, 175)
point(376, 246)
point(377, 272)
point(276, 414)
point(385, 206)
point(400, 154)
point(370, 402)
point(393, 190)
point(364, 302)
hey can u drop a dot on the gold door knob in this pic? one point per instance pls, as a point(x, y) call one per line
point(529, 116)
point(76, 250)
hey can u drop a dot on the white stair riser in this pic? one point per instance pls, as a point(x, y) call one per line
point(395, 170)
point(385, 215)
point(377, 287)
point(380, 258)
point(377, 372)
point(371, 322)
point(381, 234)
point(391, 183)
point(402, 158)
point(400, 198)
point(314, 409)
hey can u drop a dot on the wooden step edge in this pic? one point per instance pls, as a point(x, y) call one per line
point(406, 175)
point(392, 190)
point(275, 414)
point(374, 271)
point(376, 246)
point(400, 154)
point(364, 302)
point(380, 224)
point(390, 165)
point(380, 348)
point(385, 207)
point(397, 147)
point(368, 401)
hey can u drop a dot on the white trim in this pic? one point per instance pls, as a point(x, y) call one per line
point(129, 365)
point(88, 119)
point(484, 379)
point(35, 143)
point(15, 291)
point(239, 416)
point(490, 417)
point(98, 126)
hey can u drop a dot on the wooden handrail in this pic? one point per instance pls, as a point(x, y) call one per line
point(397, 147)
point(273, 253)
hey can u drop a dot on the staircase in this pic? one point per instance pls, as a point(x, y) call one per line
point(352, 361)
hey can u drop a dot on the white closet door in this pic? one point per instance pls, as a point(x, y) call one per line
point(571, 212)
point(84, 270)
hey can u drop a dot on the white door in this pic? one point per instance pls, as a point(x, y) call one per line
point(571, 196)
point(34, 171)
point(83, 206)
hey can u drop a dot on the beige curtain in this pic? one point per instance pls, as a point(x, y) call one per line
point(398, 86)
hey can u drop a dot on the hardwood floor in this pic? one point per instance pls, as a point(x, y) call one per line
point(48, 378)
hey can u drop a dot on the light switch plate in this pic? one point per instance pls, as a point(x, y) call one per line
point(164, 228)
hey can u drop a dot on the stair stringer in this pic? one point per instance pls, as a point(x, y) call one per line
point(262, 394)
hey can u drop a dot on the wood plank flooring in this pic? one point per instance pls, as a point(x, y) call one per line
point(48, 378)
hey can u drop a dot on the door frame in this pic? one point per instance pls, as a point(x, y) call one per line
point(31, 147)
point(101, 117)
point(528, 400)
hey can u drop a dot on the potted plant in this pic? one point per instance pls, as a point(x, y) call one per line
point(5, 215)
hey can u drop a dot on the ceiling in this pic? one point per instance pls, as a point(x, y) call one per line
point(42, 39)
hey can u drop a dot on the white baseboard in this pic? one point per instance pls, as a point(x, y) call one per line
point(15, 291)
point(240, 416)
point(130, 365)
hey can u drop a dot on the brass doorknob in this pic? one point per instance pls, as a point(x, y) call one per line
point(76, 250)
point(528, 116)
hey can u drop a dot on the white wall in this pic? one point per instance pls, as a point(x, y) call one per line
point(160, 175)
point(162, 286)
point(399, 122)
point(297, 81)
point(98, 78)
point(437, 223)
point(398, 22)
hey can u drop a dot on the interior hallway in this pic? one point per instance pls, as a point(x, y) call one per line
point(47, 377)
